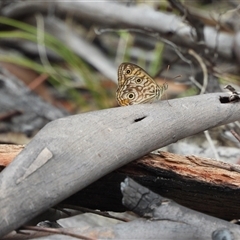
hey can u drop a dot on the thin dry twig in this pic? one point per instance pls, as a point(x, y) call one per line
point(38, 81)
point(83, 209)
point(152, 34)
point(61, 231)
point(209, 139)
point(204, 70)
point(203, 89)
point(235, 135)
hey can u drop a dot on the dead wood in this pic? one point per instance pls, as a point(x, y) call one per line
point(24, 111)
point(111, 17)
point(81, 47)
point(202, 184)
point(8, 153)
point(165, 220)
point(74, 41)
point(205, 185)
point(162, 210)
point(70, 153)
point(120, 16)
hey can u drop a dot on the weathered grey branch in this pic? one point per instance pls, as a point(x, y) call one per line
point(70, 153)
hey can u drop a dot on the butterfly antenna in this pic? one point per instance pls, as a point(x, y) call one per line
point(165, 87)
point(177, 76)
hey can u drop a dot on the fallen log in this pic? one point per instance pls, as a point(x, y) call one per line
point(206, 185)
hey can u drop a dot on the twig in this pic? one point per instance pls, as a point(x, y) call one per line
point(204, 69)
point(155, 35)
point(61, 231)
point(209, 139)
point(37, 81)
point(203, 89)
point(235, 135)
point(83, 209)
point(121, 49)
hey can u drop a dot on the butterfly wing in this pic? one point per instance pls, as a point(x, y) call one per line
point(126, 70)
point(135, 86)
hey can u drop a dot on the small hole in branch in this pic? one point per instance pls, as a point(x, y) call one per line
point(224, 99)
point(139, 119)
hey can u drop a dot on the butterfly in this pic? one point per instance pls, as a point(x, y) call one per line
point(136, 86)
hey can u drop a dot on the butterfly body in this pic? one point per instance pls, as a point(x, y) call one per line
point(135, 86)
